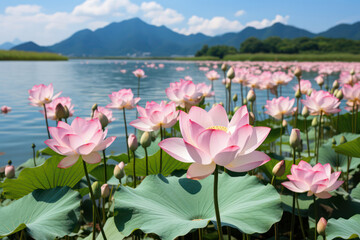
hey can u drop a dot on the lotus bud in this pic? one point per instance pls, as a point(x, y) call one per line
point(224, 67)
point(321, 226)
point(67, 113)
point(352, 72)
point(284, 123)
point(298, 72)
point(333, 142)
point(309, 92)
point(214, 105)
point(294, 138)
point(132, 142)
point(251, 118)
point(279, 169)
point(227, 85)
point(96, 189)
point(343, 140)
point(314, 122)
point(235, 97)
point(298, 94)
point(119, 171)
point(336, 84)
point(326, 87)
point(319, 80)
point(103, 120)
point(339, 95)
point(251, 96)
point(94, 107)
point(105, 190)
point(221, 103)
point(60, 111)
point(305, 112)
point(245, 101)
point(33, 145)
point(236, 108)
point(230, 73)
point(145, 140)
point(9, 170)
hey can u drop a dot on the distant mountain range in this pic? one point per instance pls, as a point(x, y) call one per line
point(9, 45)
point(134, 37)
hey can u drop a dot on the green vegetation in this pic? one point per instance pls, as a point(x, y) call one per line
point(216, 51)
point(29, 56)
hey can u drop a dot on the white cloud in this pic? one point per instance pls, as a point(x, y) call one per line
point(160, 16)
point(97, 24)
point(23, 10)
point(104, 7)
point(239, 13)
point(267, 23)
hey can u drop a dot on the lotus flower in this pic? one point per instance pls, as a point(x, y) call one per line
point(280, 107)
point(139, 73)
point(316, 180)
point(82, 138)
point(123, 99)
point(321, 102)
point(305, 86)
point(212, 75)
point(209, 139)
point(42, 94)
point(281, 78)
point(108, 113)
point(155, 115)
point(5, 109)
point(352, 94)
point(51, 107)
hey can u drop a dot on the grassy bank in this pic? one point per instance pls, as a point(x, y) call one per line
point(29, 56)
point(329, 57)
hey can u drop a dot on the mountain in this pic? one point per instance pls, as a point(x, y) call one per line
point(133, 37)
point(9, 45)
point(31, 47)
point(349, 31)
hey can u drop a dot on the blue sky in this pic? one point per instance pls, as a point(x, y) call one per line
point(49, 21)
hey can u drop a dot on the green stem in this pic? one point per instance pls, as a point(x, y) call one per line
point(200, 233)
point(281, 133)
point(273, 180)
point(147, 161)
point(293, 205)
point(134, 173)
point(161, 151)
point(103, 210)
point(216, 203)
point(46, 121)
point(337, 122)
point(228, 229)
point(319, 138)
point(296, 112)
point(105, 172)
point(300, 219)
point(242, 94)
point(22, 235)
point(94, 224)
point(93, 200)
point(33, 147)
point(347, 173)
point(316, 216)
point(212, 89)
point(356, 118)
point(307, 138)
point(126, 135)
point(275, 225)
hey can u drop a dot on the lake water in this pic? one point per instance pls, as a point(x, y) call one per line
point(86, 83)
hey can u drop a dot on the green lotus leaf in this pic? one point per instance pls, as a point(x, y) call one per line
point(169, 164)
point(45, 176)
point(99, 172)
point(111, 231)
point(343, 228)
point(119, 158)
point(172, 207)
point(350, 148)
point(304, 203)
point(344, 124)
point(43, 214)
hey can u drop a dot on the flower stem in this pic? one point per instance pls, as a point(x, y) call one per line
point(281, 133)
point(275, 225)
point(319, 138)
point(347, 173)
point(300, 219)
point(161, 151)
point(216, 203)
point(105, 172)
point(316, 217)
point(33, 147)
point(134, 173)
point(126, 135)
point(46, 121)
point(307, 139)
point(147, 161)
point(212, 89)
point(293, 205)
point(94, 224)
point(93, 200)
point(242, 94)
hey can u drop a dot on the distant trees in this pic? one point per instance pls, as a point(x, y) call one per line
point(217, 51)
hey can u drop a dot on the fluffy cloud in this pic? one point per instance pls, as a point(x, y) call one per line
point(159, 15)
point(22, 10)
point(239, 13)
point(220, 25)
point(104, 7)
point(266, 22)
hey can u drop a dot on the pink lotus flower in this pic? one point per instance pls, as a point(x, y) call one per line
point(108, 113)
point(139, 73)
point(205, 89)
point(180, 69)
point(212, 75)
point(352, 94)
point(280, 107)
point(155, 115)
point(321, 102)
point(42, 94)
point(305, 86)
point(316, 180)
point(5, 109)
point(51, 107)
point(123, 99)
point(209, 140)
point(184, 93)
point(280, 78)
point(81, 138)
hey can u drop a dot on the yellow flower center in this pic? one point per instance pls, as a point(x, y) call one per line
point(222, 128)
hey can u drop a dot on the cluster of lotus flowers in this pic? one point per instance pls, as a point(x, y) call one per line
point(208, 140)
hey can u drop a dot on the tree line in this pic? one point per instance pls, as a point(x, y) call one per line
point(279, 45)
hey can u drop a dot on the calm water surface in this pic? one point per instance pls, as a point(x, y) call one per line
point(86, 83)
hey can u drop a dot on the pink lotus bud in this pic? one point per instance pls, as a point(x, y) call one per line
point(132, 142)
point(321, 226)
point(9, 171)
point(336, 84)
point(319, 80)
point(251, 97)
point(279, 169)
point(5, 109)
point(224, 67)
point(230, 74)
point(352, 72)
point(119, 172)
point(305, 112)
point(294, 138)
point(298, 72)
point(105, 190)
